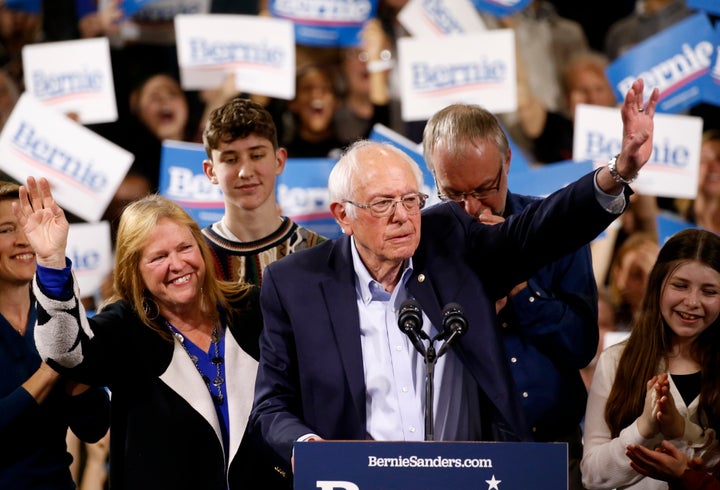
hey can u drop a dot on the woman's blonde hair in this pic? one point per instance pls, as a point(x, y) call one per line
point(137, 223)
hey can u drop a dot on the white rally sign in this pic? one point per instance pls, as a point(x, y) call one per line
point(672, 170)
point(90, 250)
point(463, 68)
point(73, 77)
point(438, 18)
point(260, 52)
point(83, 168)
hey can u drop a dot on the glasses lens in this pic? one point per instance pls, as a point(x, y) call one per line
point(381, 208)
point(453, 197)
point(484, 194)
point(411, 202)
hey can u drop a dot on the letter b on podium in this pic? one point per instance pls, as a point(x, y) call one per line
point(332, 485)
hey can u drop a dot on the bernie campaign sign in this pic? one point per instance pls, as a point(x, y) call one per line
point(501, 8)
point(677, 61)
point(440, 17)
point(326, 23)
point(182, 179)
point(708, 6)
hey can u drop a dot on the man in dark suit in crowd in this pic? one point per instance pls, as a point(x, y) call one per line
point(549, 322)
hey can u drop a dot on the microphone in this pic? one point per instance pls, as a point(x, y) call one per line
point(410, 322)
point(454, 325)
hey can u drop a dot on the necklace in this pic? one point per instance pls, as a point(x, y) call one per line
point(217, 360)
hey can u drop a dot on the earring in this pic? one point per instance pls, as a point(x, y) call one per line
point(150, 308)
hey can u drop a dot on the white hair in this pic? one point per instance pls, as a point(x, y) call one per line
point(341, 180)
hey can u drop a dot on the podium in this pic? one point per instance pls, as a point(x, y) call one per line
point(375, 465)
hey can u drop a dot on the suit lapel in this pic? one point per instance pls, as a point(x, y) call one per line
point(341, 300)
point(182, 377)
point(240, 389)
point(421, 287)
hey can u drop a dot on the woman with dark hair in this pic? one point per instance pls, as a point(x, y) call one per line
point(661, 383)
point(37, 404)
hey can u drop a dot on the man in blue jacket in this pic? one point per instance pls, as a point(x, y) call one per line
point(549, 321)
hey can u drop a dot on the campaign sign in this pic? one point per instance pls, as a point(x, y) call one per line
point(711, 89)
point(501, 8)
point(366, 465)
point(519, 160)
point(474, 68)
point(546, 179)
point(182, 179)
point(90, 250)
point(83, 168)
point(676, 61)
point(326, 23)
point(30, 6)
point(440, 17)
point(165, 10)
point(709, 6)
point(672, 170)
point(260, 52)
point(130, 7)
point(383, 134)
point(302, 194)
point(73, 77)
point(668, 224)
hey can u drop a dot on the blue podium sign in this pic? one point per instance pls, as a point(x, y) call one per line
point(373, 465)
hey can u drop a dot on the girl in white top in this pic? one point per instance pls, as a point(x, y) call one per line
point(661, 384)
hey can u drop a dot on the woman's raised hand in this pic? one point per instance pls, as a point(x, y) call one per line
point(43, 222)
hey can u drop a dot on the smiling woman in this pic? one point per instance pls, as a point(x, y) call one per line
point(34, 398)
point(661, 384)
point(177, 347)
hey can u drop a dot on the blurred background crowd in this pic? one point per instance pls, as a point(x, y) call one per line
point(563, 48)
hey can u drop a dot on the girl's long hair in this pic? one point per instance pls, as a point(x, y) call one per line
point(651, 339)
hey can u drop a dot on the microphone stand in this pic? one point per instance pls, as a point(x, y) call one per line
point(454, 325)
point(430, 359)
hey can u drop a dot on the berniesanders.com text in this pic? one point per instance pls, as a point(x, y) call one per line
point(420, 462)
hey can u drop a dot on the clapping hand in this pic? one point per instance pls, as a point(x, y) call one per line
point(665, 463)
point(660, 415)
point(43, 221)
point(670, 422)
point(647, 422)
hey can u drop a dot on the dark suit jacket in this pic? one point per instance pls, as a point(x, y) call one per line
point(165, 432)
point(310, 378)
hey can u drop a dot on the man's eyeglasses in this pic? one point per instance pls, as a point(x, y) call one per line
point(478, 194)
point(381, 208)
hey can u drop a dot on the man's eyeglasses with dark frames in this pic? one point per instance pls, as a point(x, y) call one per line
point(477, 194)
point(381, 208)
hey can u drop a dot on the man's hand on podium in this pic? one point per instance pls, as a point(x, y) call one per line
point(312, 438)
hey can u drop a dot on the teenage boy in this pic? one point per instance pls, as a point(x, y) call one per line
point(244, 158)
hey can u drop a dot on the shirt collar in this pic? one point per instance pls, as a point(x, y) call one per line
point(367, 288)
